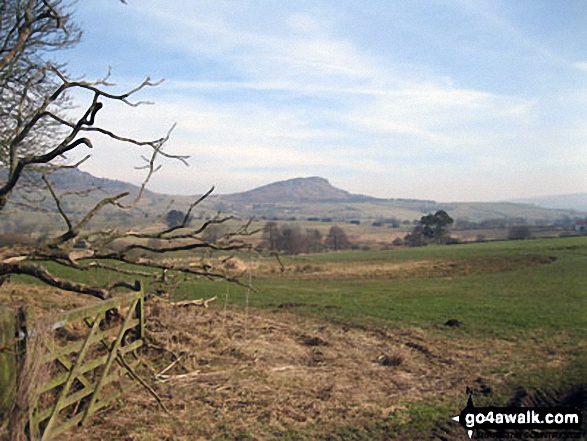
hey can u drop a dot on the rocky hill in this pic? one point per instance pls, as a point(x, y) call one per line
point(313, 189)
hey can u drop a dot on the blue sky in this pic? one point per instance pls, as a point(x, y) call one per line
point(449, 100)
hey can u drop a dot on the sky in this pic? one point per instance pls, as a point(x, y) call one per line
point(453, 100)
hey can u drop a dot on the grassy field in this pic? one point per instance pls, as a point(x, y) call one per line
point(522, 308)
point(500, 288)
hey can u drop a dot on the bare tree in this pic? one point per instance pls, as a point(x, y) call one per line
point(271, 235)
point(30, 31)
point(35, 138)
point(337, 239)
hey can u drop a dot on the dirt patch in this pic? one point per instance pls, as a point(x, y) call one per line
point(292, 306)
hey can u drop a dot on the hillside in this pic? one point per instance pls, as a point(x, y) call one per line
point(75, 180)
point(299, 198)
point(32, 208)
point(574, 201)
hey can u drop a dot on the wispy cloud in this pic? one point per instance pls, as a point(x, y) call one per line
point(263, 92)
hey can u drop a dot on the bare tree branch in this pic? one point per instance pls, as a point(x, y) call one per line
point(45, 276)
point(35, 136)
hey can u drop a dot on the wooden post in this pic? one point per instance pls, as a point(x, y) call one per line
point(25, 326)
point(8, 348)
point(140, 313)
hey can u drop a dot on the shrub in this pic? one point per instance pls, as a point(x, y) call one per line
point(519, 232)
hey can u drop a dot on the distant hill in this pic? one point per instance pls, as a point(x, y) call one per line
point(315, 197)
point(299, 198)
point(574, 201)
point(76, 180)
point(79, 192)
point(313, 189)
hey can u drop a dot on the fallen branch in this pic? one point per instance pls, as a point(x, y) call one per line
point(198, 302)
point(45, 276)
point(167, 378)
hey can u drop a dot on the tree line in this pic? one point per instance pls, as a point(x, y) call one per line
point(290, 239)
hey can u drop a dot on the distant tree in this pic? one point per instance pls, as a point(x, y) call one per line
point(397, 242)
point(416, 238)
point(431, 228)
point(337, 239)
point(174, 218)
point(291, 240)
point(271, 235)
point(519, 232)
point(435, 226)
point(213, 233)
point(314, 241)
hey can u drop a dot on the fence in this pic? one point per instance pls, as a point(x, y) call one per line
point(83, 357)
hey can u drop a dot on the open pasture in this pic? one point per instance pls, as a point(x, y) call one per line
point(500, 288)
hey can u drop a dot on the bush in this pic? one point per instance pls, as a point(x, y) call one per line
point(519, 232)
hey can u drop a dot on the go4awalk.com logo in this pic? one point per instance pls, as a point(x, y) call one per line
point(520, 423)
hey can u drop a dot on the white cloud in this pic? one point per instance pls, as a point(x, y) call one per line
point(294, 96)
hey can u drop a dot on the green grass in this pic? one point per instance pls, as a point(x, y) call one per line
point(550, 297)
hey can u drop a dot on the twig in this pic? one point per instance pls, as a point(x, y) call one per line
point(166, 378)
point(142, 382)
point(167, 368)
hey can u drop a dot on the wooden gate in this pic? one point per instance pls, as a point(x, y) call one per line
point(86, 363)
